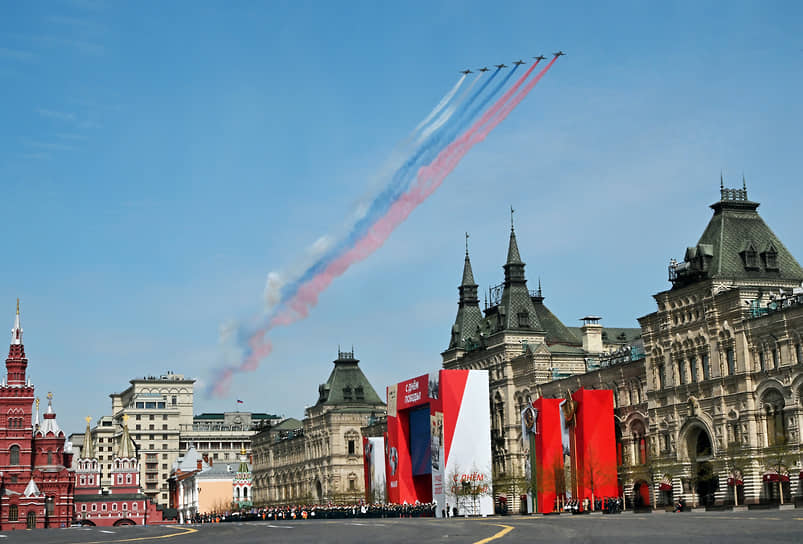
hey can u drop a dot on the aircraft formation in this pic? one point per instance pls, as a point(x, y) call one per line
point(517, 63)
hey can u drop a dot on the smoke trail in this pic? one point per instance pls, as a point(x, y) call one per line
point(446, 115)
point(429, 179)
point(447, 161)
point(406, 173)
point(445, 100)
point(397, 185)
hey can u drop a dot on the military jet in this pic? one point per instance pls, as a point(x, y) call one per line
point(466, 71)
point(519, 62)
point(559, 53)
point(500, 66)
point(539, 57)
point(483, 69)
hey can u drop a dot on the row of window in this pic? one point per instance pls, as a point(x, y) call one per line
point(149, 405)
point(103, 507)
point(692, 368)
point(696, 367)
point(151, 417)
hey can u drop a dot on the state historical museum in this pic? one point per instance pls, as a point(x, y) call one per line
point(36, 485)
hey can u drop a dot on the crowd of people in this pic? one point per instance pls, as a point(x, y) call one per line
point(606, 505)
point(323, 511)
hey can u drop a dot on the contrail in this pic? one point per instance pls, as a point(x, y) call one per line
point(429, 177)
point(445, 100)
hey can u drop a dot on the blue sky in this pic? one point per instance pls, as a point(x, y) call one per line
point(158, 160)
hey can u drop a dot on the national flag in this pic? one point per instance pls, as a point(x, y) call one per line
point(239, 401)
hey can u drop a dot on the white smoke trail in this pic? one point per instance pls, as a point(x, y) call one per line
point(445, 100)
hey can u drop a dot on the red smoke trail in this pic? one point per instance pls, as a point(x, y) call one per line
point(429, 179)
point(432, 175)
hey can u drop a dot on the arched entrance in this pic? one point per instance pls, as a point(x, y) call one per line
point(121, 522)
point(706, 482)
point(318, 490)
point(641, 494)
point(31, 520)
point(700, 451)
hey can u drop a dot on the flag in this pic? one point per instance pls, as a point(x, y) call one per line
point(239, 401)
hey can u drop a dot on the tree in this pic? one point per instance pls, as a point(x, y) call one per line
point(512, 484)
point(733, 464)
point(467, 489)
point(595, 473)
point(777, 458)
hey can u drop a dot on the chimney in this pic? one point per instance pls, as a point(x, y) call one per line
point(592, 334)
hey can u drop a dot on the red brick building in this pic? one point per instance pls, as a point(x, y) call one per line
point(36, 485)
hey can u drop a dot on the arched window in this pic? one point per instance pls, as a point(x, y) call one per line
point(245, 492)
point(14, 452)
point(49, 457)
point(13, 513)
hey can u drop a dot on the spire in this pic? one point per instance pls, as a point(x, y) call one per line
point(513, 256)
point(16, 332)
point(88, 449)
point(516, 307)
point(468, 274)
point(36, 421)
point(127, 450)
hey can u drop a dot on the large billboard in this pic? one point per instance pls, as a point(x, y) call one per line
point(439, 441)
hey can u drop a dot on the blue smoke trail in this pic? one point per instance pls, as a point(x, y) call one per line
point(401, 180)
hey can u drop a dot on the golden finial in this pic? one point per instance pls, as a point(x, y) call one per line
point(18, 305)
point(49, 395)
point(37, 403)
point(125, 419)
point(242, 451)
point(88, 419)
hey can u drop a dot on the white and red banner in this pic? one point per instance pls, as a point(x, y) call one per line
point(439, 441)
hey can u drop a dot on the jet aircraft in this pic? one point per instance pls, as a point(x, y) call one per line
point(483, 69)
point(559, 53)
point(501, 65)
point(539, 57)
point(519, 62)
point(466, 71)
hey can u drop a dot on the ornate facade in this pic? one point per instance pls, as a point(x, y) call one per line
point(123, 503)
point(319, 459)
point(724, 370)
point(712, 411)
point(522, 344)
point(36, 483)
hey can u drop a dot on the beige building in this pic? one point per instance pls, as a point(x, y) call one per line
point(712, 412)
point(220, 436)
point(724, 370)
point(157, 407)
point(318, 459)
point(522, 344)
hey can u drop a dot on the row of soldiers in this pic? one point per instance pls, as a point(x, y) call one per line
point(329, 511)
point(377, 510)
